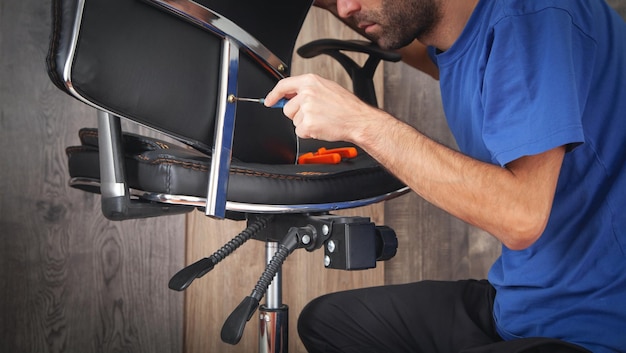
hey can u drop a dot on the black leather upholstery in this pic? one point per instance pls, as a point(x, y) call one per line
point(139, 62)
point(275, 23)
point(63, 15)
point(161, 167)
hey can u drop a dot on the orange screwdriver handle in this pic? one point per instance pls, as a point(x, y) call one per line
point(311, 158)
point(327, 156)
point(344, 152)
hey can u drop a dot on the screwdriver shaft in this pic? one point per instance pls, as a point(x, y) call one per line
point(253, 100)
point(281, 103)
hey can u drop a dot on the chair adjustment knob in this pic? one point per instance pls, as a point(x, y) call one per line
point(386, 243)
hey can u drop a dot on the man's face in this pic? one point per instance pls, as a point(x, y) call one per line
point(395, 23)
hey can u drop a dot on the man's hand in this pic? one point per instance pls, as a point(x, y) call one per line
point(322, 109)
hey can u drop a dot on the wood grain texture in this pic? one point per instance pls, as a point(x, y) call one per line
point(70, 281)
point(212, 298)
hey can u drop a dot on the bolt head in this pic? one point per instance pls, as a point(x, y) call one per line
point(331, 246)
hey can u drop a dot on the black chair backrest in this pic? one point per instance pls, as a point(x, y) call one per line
point(275, 23)
point(140, 62)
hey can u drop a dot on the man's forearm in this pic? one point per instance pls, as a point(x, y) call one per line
point(511, 203)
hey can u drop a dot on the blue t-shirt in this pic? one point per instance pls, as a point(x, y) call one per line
point(525, 77)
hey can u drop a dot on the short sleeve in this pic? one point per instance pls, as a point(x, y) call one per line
point(535, 85)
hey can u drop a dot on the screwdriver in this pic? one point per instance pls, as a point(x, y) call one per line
point(281, 103)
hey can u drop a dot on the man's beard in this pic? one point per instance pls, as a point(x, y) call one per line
point(403, 21)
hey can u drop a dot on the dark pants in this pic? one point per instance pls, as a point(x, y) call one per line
point(425, 317)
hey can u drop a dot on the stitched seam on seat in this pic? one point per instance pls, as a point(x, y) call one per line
point(265, 175)
point(162, 145)
point(202, 168)
point(326, 176)
point(187, 165)
point(244, 172)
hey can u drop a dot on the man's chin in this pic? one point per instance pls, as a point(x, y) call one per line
point(387, 45)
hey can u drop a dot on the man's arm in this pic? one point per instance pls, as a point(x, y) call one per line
point(511, 203)
point(414, 54)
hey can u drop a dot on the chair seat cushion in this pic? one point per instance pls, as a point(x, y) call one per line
point(161, 167)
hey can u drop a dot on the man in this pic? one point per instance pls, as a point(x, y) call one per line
point(535, 95)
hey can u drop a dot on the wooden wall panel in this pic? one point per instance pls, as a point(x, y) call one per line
point(70, 281)
point(212, 298)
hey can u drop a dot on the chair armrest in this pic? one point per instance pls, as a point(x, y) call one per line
point(116, 202)
point(362, 77)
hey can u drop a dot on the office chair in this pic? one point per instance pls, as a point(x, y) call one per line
point(176, 66)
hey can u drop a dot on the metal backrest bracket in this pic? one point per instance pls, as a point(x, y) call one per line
point(224, 132)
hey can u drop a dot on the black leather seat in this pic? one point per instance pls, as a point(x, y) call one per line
point(164, 168)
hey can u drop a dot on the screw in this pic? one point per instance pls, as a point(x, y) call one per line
point(326, 261)
point(306, 239)
point(331, 246)
point(325, 229)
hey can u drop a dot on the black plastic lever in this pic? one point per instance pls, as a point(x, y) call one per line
point(233, 327)
point(183, 278)
point(232, 331)
point(361, 76)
